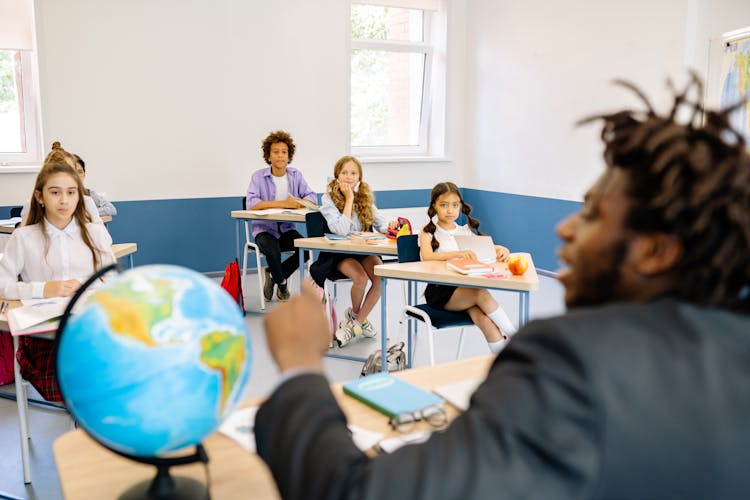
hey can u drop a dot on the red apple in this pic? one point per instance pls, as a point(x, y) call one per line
point(518, 264)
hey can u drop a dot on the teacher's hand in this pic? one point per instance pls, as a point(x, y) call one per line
point(297, 331)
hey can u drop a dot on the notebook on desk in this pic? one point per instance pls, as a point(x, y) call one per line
point(482, 246)
point(390, 395)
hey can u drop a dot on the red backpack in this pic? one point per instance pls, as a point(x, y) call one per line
point(232, 283)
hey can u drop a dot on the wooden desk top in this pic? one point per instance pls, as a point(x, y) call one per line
point(272, 214)
point(437, 272)
point(106, 218)
point(122, 249)
point(347, 246)
point(90, 471)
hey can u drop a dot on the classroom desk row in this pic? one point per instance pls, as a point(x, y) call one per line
point(412, 272)
point(89, 471)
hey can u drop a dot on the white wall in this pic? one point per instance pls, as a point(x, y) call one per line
point(535, 68)
point(172, 98)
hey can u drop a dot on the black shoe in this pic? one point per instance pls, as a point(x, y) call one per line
point(282, 292)
point(267, 285)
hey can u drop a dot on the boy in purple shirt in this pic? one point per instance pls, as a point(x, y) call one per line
point(277, 186)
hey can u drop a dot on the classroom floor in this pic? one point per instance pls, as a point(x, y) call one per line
point(48, 424)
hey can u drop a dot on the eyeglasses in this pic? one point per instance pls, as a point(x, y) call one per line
point(433, 415)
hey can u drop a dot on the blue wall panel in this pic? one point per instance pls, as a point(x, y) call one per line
point(521, 223)
point(199, 233)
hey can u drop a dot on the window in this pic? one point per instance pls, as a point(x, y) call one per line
point(394, 79)
point(20, 137)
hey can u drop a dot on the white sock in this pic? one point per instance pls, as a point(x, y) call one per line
point(503, 322)
point(496, 347)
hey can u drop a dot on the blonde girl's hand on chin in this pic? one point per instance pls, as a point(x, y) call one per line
point(60, 288)
point(346, 190)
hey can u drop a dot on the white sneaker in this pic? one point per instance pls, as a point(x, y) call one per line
point(346, 332)
point(368, 330)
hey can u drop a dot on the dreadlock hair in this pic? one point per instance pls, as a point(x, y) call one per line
point(689, 179)
point(273, 138)
point(364, 199)
point(437, 192)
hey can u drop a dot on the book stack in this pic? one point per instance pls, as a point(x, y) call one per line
point(369, 237)
point(469, 266)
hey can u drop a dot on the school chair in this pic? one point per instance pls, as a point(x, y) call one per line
point(317, 227)
point(251, 246)
point(16, 212)
point(433, 319)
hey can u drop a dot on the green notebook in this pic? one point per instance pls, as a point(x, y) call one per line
point(390, 395)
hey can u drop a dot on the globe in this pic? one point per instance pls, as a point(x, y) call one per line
point(154, 360)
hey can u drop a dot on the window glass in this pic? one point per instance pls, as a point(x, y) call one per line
point(391, 80)
point(12, 137)
point(386, 93)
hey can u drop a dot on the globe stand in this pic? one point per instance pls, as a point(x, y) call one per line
point(165, 487)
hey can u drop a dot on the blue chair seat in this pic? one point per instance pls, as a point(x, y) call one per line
point(443, 319)
point(434, 319)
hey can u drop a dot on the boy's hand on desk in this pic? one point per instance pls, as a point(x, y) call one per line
point(293, 202)
point(60, 288)
point(297, 331)
point(502, 253)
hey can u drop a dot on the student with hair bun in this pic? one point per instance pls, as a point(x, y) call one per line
point(57, 249)
point(59, 155)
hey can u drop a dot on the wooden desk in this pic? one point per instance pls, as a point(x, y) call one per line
point(272, 214)
point(342, 246)
point(436, 272)
point(125, 249)
point(90, 471)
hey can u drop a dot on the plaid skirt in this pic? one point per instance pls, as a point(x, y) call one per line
point(36, 358)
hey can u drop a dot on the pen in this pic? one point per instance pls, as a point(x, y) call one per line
point(3, 307)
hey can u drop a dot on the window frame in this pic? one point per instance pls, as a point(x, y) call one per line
point(427, 48)
point(29, 101)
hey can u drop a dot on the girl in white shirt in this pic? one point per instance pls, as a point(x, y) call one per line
point(437, 242)
point(57, 249)
point(348, 206)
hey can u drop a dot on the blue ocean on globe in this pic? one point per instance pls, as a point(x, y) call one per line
point(155, 360)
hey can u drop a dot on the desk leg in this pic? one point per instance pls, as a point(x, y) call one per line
point(410, 285)
point(301, 267)
point(130, 261)
point(237, 239)
point(523, 308)
point(23, 421)
point(383, 324)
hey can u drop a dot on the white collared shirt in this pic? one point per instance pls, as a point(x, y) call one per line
point(446, 237)
point(62, 255)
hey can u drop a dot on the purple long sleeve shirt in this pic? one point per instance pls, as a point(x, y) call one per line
point(262, 188)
